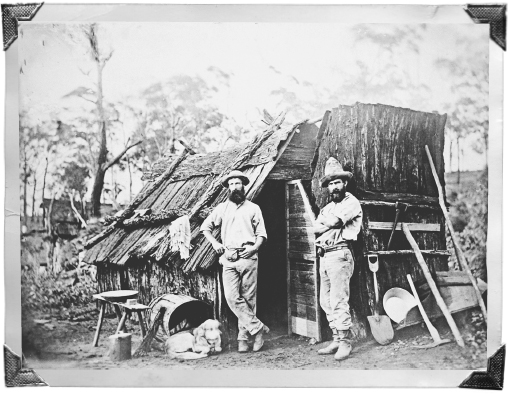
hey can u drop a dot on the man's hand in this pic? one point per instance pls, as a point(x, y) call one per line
point(218, 247)
point(248, 252)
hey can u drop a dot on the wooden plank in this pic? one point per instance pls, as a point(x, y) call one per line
point(303, 288)
point(299, 220)
point(304, 327)
point(302, 231)
point(303, 311)
point(295, 163)
point(375, 203)
point(302, 277)
point(414, 199)
point(294, 254)
point(302, 246)
point(306, 202)
point(303, 299)
point(402, 252)
point(412, 226)
point(288, 269)
point(297, 266)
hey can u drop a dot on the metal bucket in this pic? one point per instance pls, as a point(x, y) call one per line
point(397, 303)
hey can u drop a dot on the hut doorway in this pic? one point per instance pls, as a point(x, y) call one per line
point(272, 303)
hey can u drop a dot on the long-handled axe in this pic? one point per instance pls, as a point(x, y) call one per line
point(400, 208)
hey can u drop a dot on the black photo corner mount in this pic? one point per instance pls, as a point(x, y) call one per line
point(16, 375)
point(11, 14)
point(493, 14)
point(493, 379)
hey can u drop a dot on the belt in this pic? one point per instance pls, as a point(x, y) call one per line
point(335, 247)
point(322, 250)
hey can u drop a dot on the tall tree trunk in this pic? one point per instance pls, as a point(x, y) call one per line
point(451, 152)
point(458, 159)
point(82, 204)
point(130, 177)
point(98, 184)
point(25, 182)
point(33, 197)
point(43, 188)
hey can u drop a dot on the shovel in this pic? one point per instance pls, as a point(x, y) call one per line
point(433, 332)
point(380, 326)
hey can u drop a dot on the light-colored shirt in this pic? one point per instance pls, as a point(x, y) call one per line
point(350, 212)
point(239, 223)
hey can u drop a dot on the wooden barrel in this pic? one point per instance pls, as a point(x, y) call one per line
point(182, 312)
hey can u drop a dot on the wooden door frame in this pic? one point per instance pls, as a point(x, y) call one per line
point(310, 212)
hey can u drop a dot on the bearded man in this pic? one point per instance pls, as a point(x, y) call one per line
point(338, 224)
point(242, 234)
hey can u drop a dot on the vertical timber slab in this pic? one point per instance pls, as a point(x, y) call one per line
point(302, 274)
point(288, 270)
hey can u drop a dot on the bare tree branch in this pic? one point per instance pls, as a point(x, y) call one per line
point(119, 156)
point(191, 151)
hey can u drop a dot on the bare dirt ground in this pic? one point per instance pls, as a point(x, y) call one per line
point(62, 344)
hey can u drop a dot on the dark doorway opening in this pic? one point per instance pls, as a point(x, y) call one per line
point(272, 270)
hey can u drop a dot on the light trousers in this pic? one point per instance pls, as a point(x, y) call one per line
point(240, 279)
point(336, 269)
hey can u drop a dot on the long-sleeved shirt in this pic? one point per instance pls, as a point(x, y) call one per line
point(239, 223)
point(350, 212)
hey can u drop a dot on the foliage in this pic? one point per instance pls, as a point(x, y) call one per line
point(475, 336)
point(474, 236)
point(468, 213)
point(49, 292)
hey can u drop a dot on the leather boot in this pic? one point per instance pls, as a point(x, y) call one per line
point(258, 339)
point(243, 346)
point(330, 349)
point(345, 347)
point(333, 346)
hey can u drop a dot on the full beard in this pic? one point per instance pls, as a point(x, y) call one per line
point(237, 196)
point(338, 195)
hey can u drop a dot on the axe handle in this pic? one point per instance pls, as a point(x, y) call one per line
point(393, 228)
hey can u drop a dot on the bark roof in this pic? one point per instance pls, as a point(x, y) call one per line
point(139, 239)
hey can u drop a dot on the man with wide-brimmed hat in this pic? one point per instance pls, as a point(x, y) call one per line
point(242, 234)
point(338, 224)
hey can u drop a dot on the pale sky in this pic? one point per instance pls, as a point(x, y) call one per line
point(261, 57)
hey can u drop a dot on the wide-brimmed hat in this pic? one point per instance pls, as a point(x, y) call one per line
point(235, 174)
point(334, 170)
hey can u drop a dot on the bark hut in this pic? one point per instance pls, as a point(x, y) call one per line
point(384, 148)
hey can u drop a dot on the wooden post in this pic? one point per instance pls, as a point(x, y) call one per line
point(456, 245)
point(141, 324)
point(120, 347)
point(433, 287)
point(122, 322)
point(99, 324)
point(288, 266)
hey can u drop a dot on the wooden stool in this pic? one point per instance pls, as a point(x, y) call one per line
point(128, 309)
point(121, 317)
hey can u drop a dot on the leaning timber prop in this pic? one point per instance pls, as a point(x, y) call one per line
point(144, 347)
point(433, 287)
point(456, 245)
point(432, 330)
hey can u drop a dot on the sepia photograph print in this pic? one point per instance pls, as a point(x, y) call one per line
point(231, 190)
